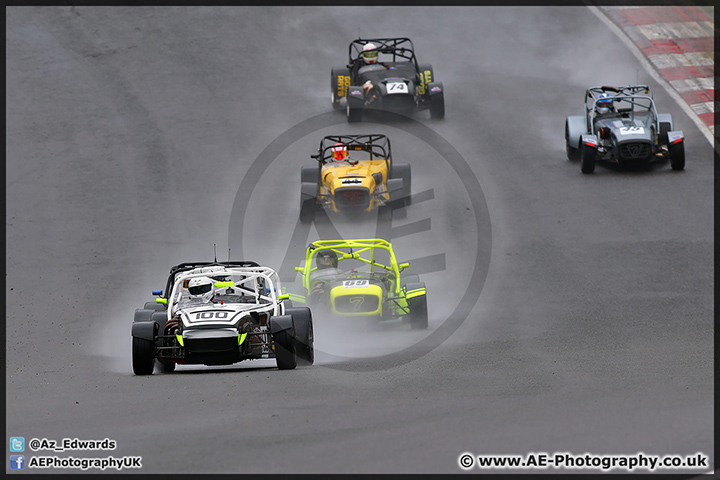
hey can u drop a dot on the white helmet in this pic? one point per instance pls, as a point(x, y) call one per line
point(199, 286)
point(370, 54)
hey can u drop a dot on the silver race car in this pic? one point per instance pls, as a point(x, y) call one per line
point(621, 125)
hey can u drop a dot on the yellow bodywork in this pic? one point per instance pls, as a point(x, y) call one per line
point(357, 297)
point(364, 173)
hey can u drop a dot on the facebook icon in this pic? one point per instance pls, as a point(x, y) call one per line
point(17, 462)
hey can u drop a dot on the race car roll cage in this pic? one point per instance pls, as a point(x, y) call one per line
point(363, 245)
point(377, 145)
point(627, 94)
point(187, 266)
point(401, 47)
point(249, 271)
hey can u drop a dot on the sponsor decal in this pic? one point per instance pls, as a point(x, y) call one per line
point(352, 181)
point(343, 84)
point(632, 131)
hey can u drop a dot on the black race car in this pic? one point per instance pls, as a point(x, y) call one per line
point(384, 74)
point(621, 125)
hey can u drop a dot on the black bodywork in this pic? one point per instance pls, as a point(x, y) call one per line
point(396, 83)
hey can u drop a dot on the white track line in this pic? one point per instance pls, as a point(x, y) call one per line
point(655, 74)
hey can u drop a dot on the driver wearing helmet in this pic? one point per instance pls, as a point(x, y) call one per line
point(370, 54)
point(339, 152)
point(327, 269)
point(370, 61)
point(603, 104)
point(200, 290)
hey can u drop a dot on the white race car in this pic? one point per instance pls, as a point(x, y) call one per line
point(220, 313)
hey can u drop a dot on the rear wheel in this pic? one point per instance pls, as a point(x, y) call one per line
point(402, 170)
point(309, 174)
point(677, 156)
point(664, 129)
point(410, 278)
point(573, 154)
point(304, 348)
point(307, 210)
point(418, 312)
point(143, 315)
point(154, 306)
point(354, 114)
point(285, 355)
point(587, 159)
point(338, 90)
point(143, 358)
point(426, 76)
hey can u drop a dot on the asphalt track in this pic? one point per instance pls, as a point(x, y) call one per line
point(589, 323)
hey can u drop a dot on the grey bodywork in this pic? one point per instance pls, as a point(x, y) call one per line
point(632, 132)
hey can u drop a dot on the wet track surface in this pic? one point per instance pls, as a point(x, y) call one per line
point(568, 312)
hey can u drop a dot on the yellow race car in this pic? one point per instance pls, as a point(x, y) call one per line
point(355, 173)
point(361, 278)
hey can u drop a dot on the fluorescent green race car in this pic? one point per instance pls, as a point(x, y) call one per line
point(361, 278)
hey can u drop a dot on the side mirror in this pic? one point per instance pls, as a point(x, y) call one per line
point(157, 292)
point(161, 300)
point(299, 269)
point(403, 266)
point(224, 284)
point(284, 296)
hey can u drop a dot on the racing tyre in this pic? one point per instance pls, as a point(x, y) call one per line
point(587, 159)
point(143, 358)
point(402, 170)
point(338, 91)
point(677, 156)
point(307, 210)
point(437, 105)
point(354, 114)
point(143, 315)
point(573, 154)
point(410, 278)
point(665, 127)
point(285, 355)
point(304, 348)
point(426, 76)
point(309, 174)
point(154, 306)
point(418, 312)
